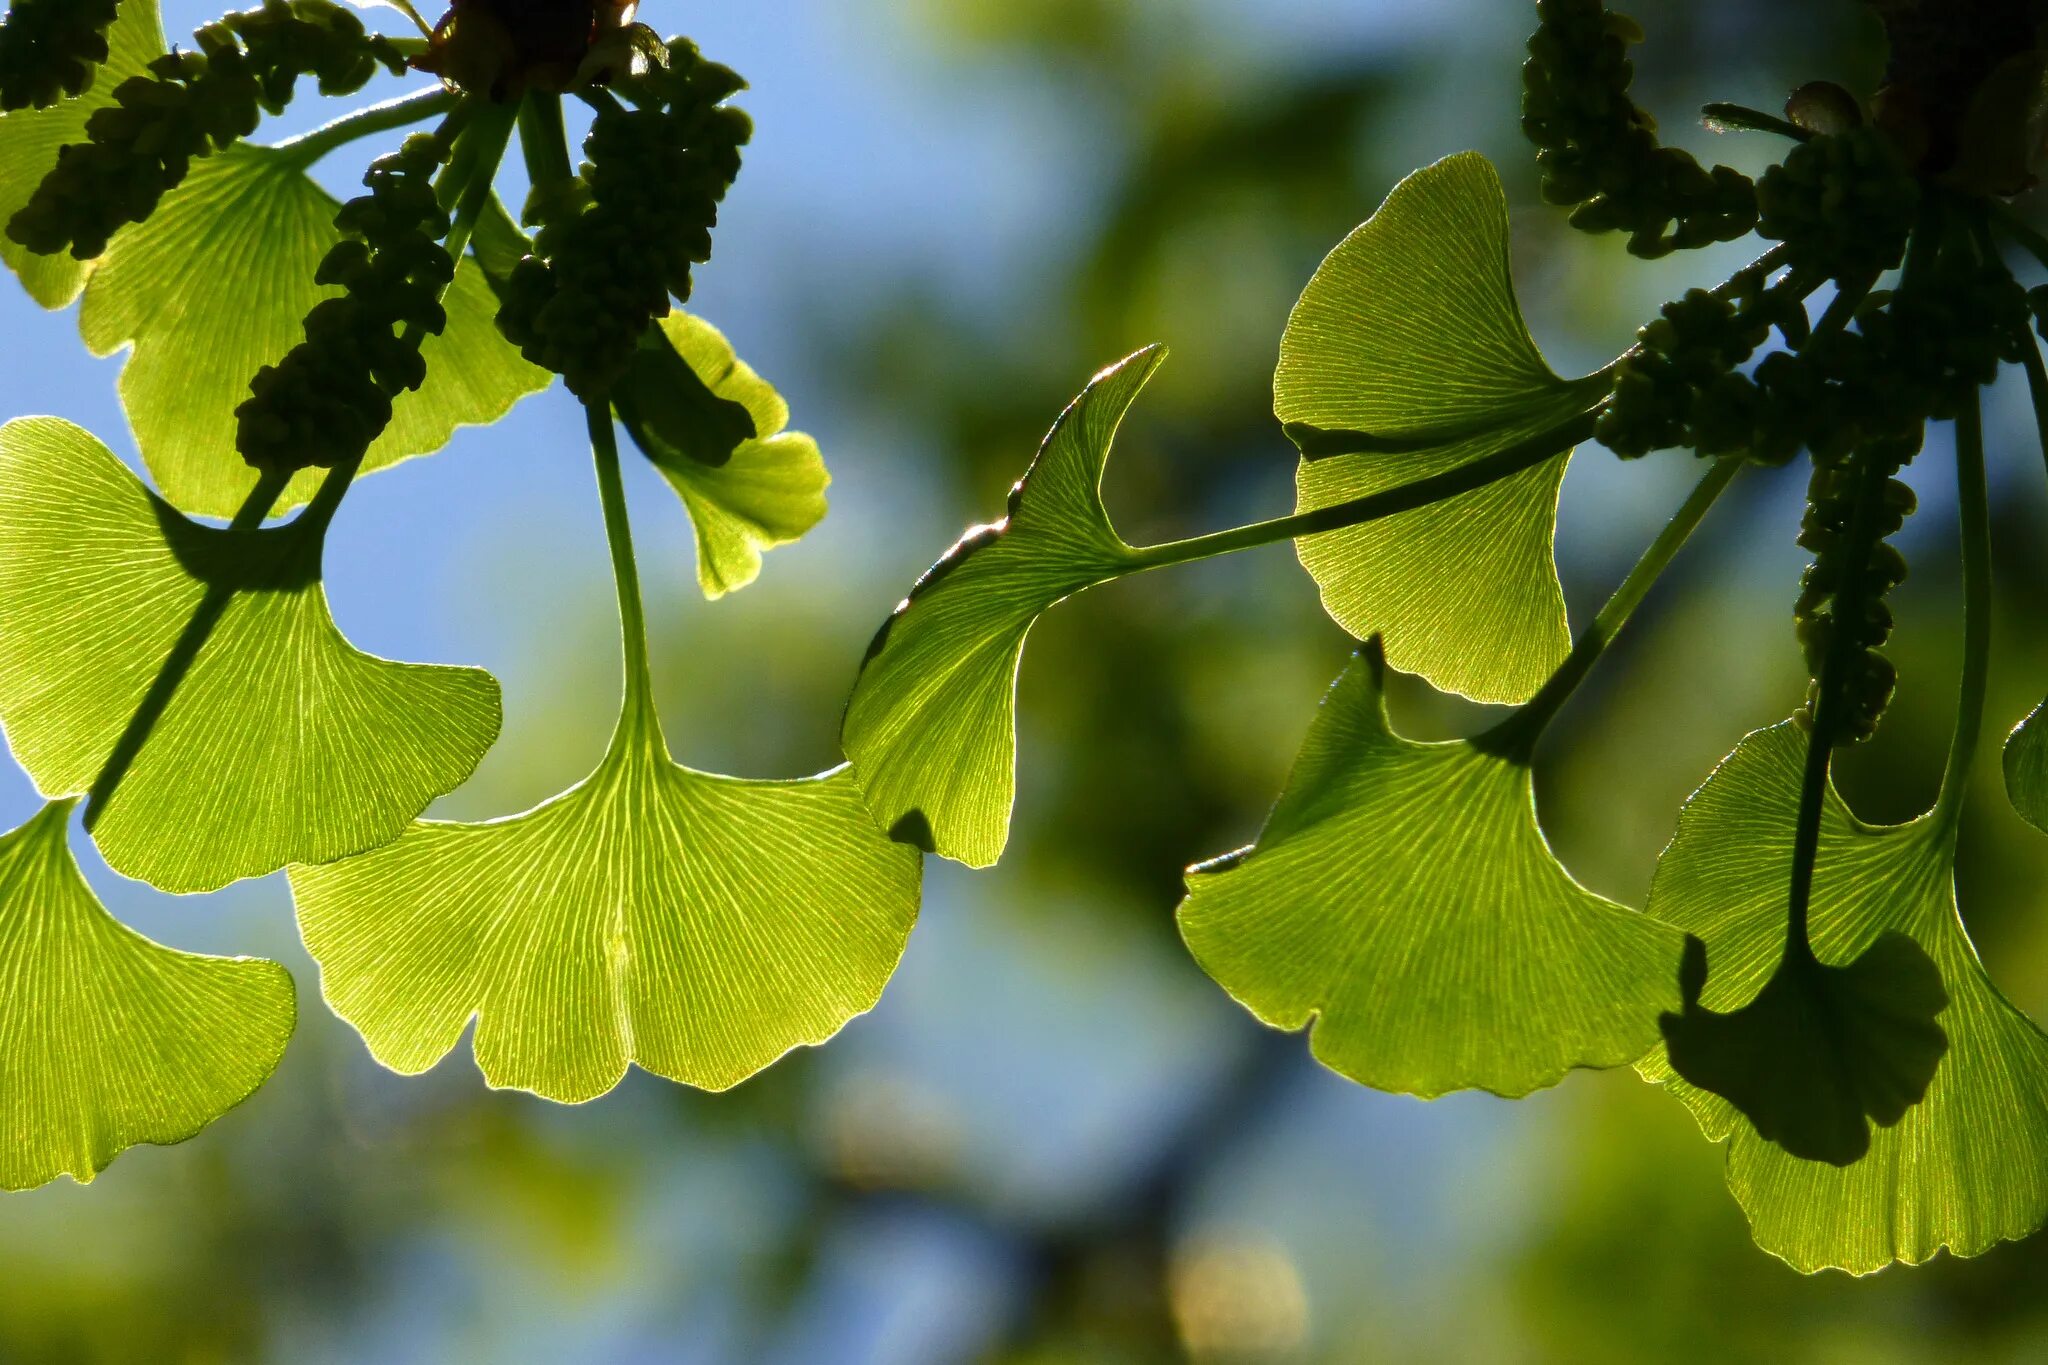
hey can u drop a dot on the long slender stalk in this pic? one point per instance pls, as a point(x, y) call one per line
point(1517, 735)
point(544, 140)
point(1974, 505)
point(1373, 506)
point(402, 112)
point(618, 534)
point(1831, 685)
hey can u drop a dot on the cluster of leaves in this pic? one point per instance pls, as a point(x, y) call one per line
point(1799, 979)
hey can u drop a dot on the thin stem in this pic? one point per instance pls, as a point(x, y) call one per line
point(1406, 497)
point(402, 112)
point(1974, 504)
point(618, 534)
point(1517, 735)
point(2020, 230)
point(1722, 117)
point(484, 142)
point(544, 140)
point(2037, 390)
point(1831, 686)
point(405, 7)
point(1841, 308)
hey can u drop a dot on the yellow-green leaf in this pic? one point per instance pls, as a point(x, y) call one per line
point(699, 926)
point(715, 430)
point(931, 728)
point(1406, 357)
point(1403, 904)
point(108, 1040)
point(281, 742)
point(217, 283)
point(1964, 1168)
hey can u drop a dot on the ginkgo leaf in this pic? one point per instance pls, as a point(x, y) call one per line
point(699, 926)
point(30, 139)
point(714, 429)
point(108, 1040)
point(281, 742)
point(217, 284)
point(1406, 357)
point(1964, 1168)
point(931, 727)
point(2026, 768)
point(1403, 904)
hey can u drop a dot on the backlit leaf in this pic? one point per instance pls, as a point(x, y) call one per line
point(1406, 357)
point(700, 926)
point(108, 1040)
point(282, 743)
point(714, 429)
point(29, 139)
point(1963, 1169)
point(1403, 904)
point(931, 728)
point(2026, 768)
point(217, 283)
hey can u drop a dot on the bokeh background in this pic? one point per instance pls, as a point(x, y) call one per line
point(1054, 1141)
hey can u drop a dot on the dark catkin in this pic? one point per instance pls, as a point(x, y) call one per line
point(618, 243)
point(1854, 507)
point(1843, 204)
point(190, 105)
point(330, 396)
point(50, 49)
point(1598, 150)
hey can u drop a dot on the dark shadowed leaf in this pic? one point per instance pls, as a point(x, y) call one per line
point(1964, 1168)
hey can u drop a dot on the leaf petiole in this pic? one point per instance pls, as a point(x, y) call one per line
point(1523, 454)
point(1974, 507)
point(638, 713)
point(402, 112)
point(1517, 735)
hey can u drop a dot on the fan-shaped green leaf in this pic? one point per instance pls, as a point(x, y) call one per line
point(281, 742)
point(108, 1040)
point(1406, 357)
point(2026, 768)
point(700, 926)
point(217, 283)
point(30, 138)
point(714, 429)
point(1403, 900)
point(1964, 1168)
point(931, 727)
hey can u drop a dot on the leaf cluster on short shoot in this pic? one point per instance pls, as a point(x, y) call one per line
point(1799, 979)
